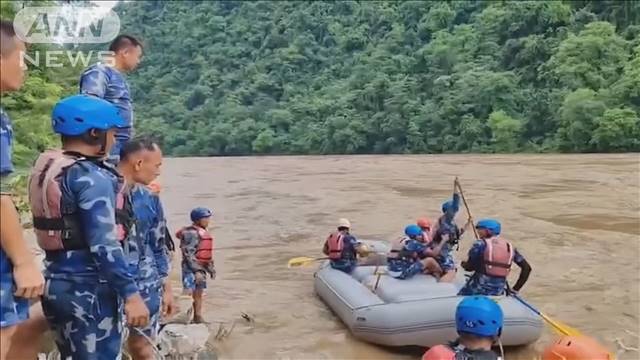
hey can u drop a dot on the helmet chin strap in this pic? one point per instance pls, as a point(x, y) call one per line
point(102, 140)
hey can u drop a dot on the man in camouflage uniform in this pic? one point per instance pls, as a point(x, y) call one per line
point(85, 288)
point(107, 81)
point(481, 283)
point(20, 278)
point(140, 161)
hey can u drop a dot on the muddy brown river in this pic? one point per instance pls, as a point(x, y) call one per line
point(574, 217)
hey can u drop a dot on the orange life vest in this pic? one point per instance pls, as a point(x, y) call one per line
point(335, 244)
point(498, 257)
point(439, 352)
point(57, 228)
point(204, 252)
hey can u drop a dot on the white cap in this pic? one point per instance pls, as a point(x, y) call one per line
point(344, 223)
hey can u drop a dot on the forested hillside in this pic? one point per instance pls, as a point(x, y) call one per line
point(225, 78)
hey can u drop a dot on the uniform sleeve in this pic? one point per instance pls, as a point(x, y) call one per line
point(456, 202)
point(94, 82)
point(476, 254)
point(96, 206)
point(189, 245)
point(6, 138)
point(158, 241)
point(517, 257)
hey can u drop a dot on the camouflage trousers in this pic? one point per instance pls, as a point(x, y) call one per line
point(479, 284)
point(85, 317)
point(152, 295)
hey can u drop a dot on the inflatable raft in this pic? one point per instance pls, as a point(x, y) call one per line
point(417, 311)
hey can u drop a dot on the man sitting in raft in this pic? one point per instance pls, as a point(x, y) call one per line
point(479, 324)
point(404, 258)
point(490, 258)
point(342, 248)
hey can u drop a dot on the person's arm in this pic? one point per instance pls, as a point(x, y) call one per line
point(94, 81)
point(27, 276)
point(157, 242)
point(96, 203)
point(189, 246)
point(474, 256)
point(525, 270)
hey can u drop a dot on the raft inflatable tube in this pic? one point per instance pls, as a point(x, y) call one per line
point(417, 311)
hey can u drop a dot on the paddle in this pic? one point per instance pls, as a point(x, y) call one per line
point(561, 328)
point(456, 183)
point(303, 260)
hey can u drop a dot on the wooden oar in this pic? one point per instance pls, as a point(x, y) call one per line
point(456, 182)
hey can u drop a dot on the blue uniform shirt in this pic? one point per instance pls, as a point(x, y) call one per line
point(110, 84)
point(148, 254)
point(92, 189)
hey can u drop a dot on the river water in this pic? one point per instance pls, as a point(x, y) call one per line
point(574, 217)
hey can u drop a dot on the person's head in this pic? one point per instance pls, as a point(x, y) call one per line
point(478, 322)
point(413, 231)
point(424, 223)
point(127, 51)
point(344, 224)
point(141, 159)
point(201, 216)
point(576, 348)
point(488, 228)
point(11, 50)
point(86, 124)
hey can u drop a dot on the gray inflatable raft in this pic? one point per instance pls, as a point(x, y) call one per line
point(417, 311)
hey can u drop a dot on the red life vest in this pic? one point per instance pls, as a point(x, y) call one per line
point(58, 228)
point(204, 252)
point(498, 257)
point(439, 352)
point(335, 244)
point(456, 352)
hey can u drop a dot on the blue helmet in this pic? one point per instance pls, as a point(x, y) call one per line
point(412, 230)
point(479, 315)
point(490, 224)
point(76, 115)
point(200, 213)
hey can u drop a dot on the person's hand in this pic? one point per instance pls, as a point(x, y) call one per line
point(169, 306)
point(29, 280)
point(136, 311)
point(468, 223)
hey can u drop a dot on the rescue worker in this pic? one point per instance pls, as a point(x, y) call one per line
point(491, 258)
point(197, 244)
point(576, 348)
point(140, 161)
point(107, 81)
point(405, 262)
point(20, 277)
point(342, 248)
point(479, 325)
point(425, 225)
point(82, 219)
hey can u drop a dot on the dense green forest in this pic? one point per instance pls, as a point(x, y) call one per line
point(232, 78)
point(388, 77)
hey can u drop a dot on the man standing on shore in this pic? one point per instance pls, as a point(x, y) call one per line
point(107, 81)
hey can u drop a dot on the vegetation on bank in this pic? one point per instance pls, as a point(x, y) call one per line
point(234, 78)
